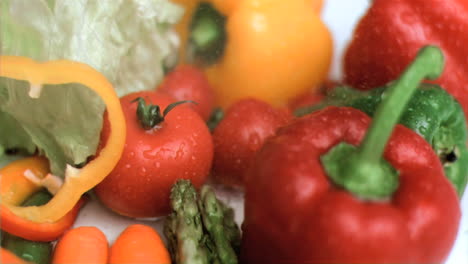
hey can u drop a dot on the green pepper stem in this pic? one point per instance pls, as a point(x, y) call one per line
point(428, 64)
point(362, 170)
point(207, 34)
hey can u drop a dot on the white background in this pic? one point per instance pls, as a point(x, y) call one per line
point(340, 16)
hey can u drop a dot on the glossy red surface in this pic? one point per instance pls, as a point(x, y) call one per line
point(295, 214)
point(179, 147)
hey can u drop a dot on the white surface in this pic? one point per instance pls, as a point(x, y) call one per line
point(340, 16)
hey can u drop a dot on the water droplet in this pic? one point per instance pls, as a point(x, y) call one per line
point(150, 154)
point(180, 151)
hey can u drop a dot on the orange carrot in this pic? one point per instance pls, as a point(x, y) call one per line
point(139, 244)
point(83, 245)
point(6, 257)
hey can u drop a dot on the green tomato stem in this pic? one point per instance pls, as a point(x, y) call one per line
point(150, 115)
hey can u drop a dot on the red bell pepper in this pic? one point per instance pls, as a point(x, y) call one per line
point(391, 32)
point(317, 194)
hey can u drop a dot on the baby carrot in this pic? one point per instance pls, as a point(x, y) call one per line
point(139, 244)
point(10, 258)
point(83, 245)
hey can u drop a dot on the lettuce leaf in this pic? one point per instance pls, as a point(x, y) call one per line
point(18, 139)
point(61, 122)
point(129, 41)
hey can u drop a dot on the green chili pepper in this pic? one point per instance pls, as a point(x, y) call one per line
point(432, 113)
point(32, 251)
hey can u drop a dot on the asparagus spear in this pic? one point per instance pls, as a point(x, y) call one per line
point(218, 220)
point(200, 230)
point(183, 227)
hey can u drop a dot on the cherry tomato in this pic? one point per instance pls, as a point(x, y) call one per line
point(180, 147)
point(242, 131)
point(189, 83)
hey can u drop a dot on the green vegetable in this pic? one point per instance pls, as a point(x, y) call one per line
point(218, 220)
point(183, 228)
point(200, 230)
point(20, 140)
point(129, 41)
point(36, 252)
point(432, 113)
point(66, 131)
point(216, 116)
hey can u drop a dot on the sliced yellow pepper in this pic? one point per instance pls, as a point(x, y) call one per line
point(14, 186)
point(274, 50)
point(77, 181)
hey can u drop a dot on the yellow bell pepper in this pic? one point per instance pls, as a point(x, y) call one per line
point(77, 181)
point(274, 49)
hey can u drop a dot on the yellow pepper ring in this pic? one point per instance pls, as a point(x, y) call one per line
point(63, 72)
point(15, 188)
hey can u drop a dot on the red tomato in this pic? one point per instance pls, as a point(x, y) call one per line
point(180, 147)
point(189, 83)
point(242, 131)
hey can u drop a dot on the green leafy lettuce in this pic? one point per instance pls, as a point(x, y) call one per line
point(129, 41)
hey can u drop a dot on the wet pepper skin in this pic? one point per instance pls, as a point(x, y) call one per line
point(294, 214)
point(378, 54)
point(432, 113)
